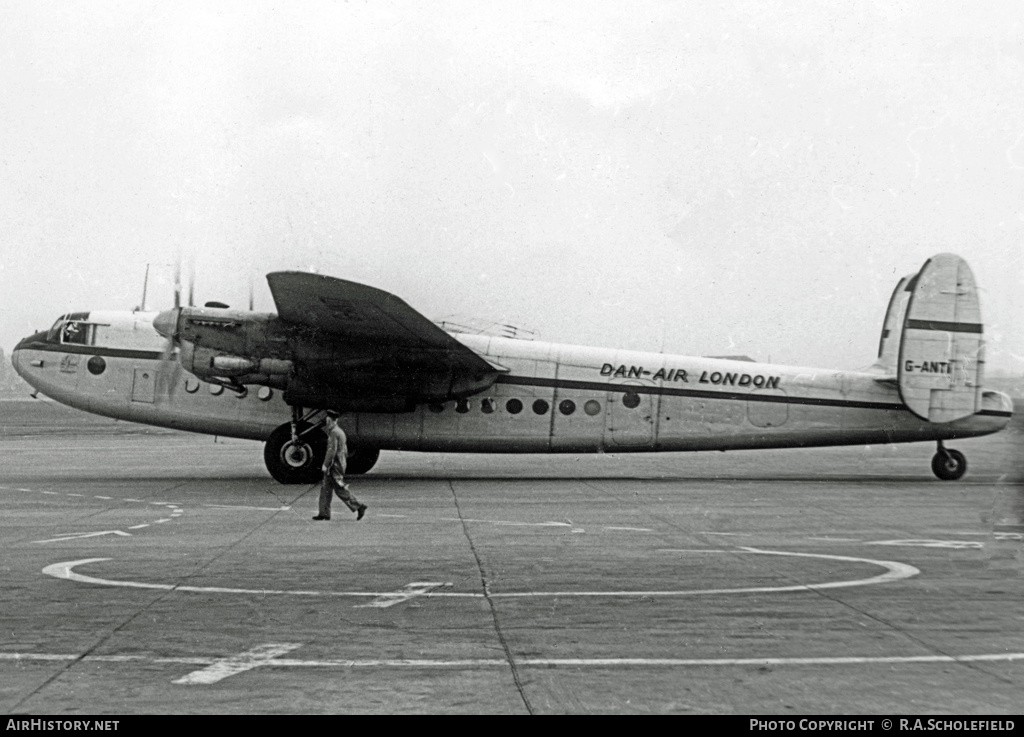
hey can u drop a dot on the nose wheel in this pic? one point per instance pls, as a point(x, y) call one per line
point(948, 464)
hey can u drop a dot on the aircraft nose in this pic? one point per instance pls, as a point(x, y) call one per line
point(166, 323)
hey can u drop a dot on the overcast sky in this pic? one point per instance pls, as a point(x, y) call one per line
point(699, 178)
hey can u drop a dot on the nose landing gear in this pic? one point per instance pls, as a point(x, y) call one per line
point(948, 464)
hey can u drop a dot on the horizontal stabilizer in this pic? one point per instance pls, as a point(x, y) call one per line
point(941, 352)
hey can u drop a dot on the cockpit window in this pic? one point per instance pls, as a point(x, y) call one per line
point(72, 329)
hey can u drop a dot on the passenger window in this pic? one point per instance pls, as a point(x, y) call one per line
point(540, 407)
point(487, 405)
point(514, 406)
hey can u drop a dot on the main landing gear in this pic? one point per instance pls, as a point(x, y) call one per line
point(949, 465)
point(295, 451)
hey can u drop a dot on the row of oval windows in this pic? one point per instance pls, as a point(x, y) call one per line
point(462, 406)
point(265, 392)
point(540, 406)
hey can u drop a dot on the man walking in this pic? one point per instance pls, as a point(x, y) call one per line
point(334, 471)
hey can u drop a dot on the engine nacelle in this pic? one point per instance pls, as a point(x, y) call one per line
point(210, 364)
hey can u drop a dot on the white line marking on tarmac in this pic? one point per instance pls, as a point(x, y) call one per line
point(261, 509)
point(894, 572)
point(836, 539)
point(954, 544)
point(411, 590)
point(138, 527)
point(534, 524)
point(263, 656)
point(102, 497)
point(629, 529)
point(225, 667)
point(392, 515)
point(83, 535)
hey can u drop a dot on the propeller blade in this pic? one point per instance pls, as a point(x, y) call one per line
point(177, 283)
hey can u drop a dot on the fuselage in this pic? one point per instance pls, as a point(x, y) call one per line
point(553, 398)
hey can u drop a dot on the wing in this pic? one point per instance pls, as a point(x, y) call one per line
point(351, 310)
point(399, 350)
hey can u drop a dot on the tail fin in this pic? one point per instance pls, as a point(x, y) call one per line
point(941, 351)
point(889, 343)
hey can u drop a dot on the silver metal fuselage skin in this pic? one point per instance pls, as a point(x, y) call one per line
point(570, 399)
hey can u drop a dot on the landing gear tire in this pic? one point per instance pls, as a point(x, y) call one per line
point(295, 463)
point(949, 465)
point(360, 460)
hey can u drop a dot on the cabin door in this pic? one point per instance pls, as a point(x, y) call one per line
point(144, 385)
point(630, 419)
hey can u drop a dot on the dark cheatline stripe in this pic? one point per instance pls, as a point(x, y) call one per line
point(950, 327)
point(93, 350)
point(704, 394)
point(994, 413)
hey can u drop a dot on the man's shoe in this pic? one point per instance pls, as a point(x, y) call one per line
point(361, 512)
point(321, 517)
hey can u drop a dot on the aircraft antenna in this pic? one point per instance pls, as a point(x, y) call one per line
point(145, 283)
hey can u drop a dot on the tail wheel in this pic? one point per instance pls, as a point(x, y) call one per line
point(949, 465)
point(360, 459)
point(295, 463)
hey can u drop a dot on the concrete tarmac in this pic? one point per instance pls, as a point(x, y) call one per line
point(157, 572)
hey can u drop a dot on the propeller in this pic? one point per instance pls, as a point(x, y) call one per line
point(166, 324)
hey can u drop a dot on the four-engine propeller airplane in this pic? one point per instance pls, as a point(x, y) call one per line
point(404, 383)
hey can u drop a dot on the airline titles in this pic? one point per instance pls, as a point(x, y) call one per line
point(724, 378)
